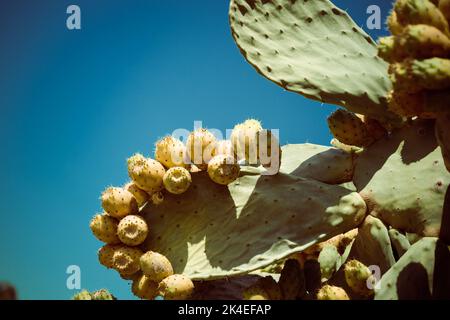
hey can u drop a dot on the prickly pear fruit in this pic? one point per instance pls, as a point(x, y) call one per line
point(104, 228)
point(157, 198)
point(200, 147)
point(292, 280)
point(171, 152)
point(416, 75)
point(328, 292)
point(132, 277)
point(82, 295)
point(244, 139)
point(144, 288)
point(329, 260)
point(146, 173)
point(420, 12)
point(155, 266)
point(119, 202)
point(126, 260)
point(264, 289)
point(224, 147)
point(393, 25)
point(105, 255)
point(140, 195)
point(177, 180)
point(444, 6)
point(132, 230)
point(442, 131)
point(357, 275)
point(255, 292)
point(102, 294)
point(349, 128)
point(223, 169)
point(176, 287)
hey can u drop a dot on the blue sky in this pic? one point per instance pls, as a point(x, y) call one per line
point(75, 104)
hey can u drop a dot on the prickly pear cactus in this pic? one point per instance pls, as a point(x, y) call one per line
point(212, 231)
point(312, 48)
point(404, 180)
point(421, 273)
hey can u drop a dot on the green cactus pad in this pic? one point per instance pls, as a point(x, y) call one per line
point(404, 180)
point(325, 164)
point(214, 231)
point(421, 273)
point(372, 245)
point(399, 241)
point(312, 48)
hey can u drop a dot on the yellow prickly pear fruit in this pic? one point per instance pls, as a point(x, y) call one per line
point(140, 195)
point(177, 180)
point(356, 276)
point(264, 289)
point(171, 152)
point(82, 295)
point(417, 75)
point(102, 294)
point(126, 260)
point(132, 230)
point(146, 173)
point(144, 288)
point(393, 25)
point(244, 139)
point(157, 198)
point(105, 255)
point(104, 228)
point(200, 147)
point(349, 128)
point(155, 266)
point(420, 12)
point(223, 169)
point(132, 276)
point(119, 202)
point(328, 292)
point(176, 287)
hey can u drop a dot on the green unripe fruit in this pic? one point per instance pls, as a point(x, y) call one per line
point(349, 128)
point(102, 294)
point(82, 295)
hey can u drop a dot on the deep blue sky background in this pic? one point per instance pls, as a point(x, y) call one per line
point(75, 104)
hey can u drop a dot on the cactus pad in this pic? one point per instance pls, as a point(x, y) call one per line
point(404, 180)
point(213, 231)
point(312, 48)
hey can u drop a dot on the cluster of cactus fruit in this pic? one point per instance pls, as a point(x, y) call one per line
point(364, 219)
point(101, 294)
point(123, 229)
